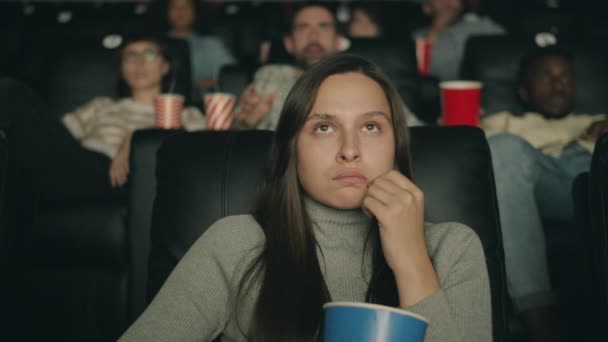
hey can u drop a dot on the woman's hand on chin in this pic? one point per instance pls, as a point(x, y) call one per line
point(398, 206)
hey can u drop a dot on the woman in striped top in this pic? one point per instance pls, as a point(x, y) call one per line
point(50, 154)
point(105, 125)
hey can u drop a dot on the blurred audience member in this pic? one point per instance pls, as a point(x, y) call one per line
point(103, 125)
point(448, 32)
point(208, 53)
point(536, 157)
point(365, 21)
point(312, 37)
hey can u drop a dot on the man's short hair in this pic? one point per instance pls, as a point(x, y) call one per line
point(299, 6)
point(536, 55)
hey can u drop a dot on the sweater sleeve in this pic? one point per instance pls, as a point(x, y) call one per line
point(494, 124)
point(262, 78)
point(195, 302)
point(78, 121)
point(461, 309)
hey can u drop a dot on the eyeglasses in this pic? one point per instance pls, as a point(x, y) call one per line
point(147, 56)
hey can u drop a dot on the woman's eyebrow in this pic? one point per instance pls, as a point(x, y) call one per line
point(321, 116)
point(331, 117)
point(376, 113)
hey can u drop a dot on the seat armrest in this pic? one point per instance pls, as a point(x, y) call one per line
point(142, 190)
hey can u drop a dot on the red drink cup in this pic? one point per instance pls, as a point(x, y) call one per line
point(460, 102)
point(169, 110)
point(423, 56)
point(218, 110)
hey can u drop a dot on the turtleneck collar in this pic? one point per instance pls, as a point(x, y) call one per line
point(330, 220)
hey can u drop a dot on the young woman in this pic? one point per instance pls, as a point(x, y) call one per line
point(339, 219)
point(87, 153)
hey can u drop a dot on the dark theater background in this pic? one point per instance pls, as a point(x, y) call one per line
point(79, 266)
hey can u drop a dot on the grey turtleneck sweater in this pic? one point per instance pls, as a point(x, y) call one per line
point(196, 302)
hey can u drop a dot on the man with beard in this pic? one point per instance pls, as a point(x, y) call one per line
point(313, 36)
point(448, 32)
point(536, 157)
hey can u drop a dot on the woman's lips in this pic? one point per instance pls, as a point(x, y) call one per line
point(352, 177)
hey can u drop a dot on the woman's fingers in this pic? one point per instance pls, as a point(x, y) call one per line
point(404, 183)
point(122, 175)
point(385, 184)
point(118, 173)
point(372, 206)
point(394, 195)
point(380, 194)
point(394, 182)
point(112, 177)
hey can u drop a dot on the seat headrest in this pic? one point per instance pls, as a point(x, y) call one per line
point(205, 176)
point(75, 71)
point(397, 60)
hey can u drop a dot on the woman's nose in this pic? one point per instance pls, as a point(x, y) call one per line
point(349, 150)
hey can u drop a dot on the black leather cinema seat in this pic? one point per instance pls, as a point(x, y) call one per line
point(495, 61)
point(70, 73)
point(398, 60)
point(142, 190)
point(71, 272)
point(3, 172)
point(598, 219)
point(4, 263)
point(590, 194)
point(207, 175)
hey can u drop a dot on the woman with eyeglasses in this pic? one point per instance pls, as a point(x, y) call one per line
point(105, 125)
point(338, 219)
point(87, 153)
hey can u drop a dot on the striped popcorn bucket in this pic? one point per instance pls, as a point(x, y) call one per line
point(168, 111)
point(218, 110)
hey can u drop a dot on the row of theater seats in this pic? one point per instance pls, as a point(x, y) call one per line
point(92, 269)
point(79, 248)
point(243, 25)
point(182, 182)
point(24, 27)
point(494, 60)
point(82, 270)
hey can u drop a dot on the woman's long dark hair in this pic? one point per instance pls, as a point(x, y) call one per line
point(293, 290)
point(123, 88)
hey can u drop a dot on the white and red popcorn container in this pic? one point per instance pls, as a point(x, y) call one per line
point(168, 111)
point(219, 109)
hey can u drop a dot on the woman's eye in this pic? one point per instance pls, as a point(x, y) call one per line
point(371, 127)
point(323, 128)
